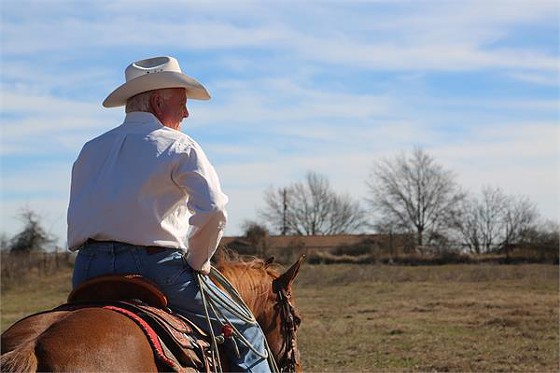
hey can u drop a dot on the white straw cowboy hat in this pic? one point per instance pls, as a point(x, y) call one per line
point(154, 73)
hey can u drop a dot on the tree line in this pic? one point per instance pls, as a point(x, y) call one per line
point(412, 194)
point(409, 194)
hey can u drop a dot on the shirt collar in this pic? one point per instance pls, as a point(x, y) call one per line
point(141, 117)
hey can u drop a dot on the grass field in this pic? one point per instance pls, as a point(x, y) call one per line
point(393, 318)
point(445, 318)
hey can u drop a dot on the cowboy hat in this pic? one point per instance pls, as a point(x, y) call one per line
point(154, 73)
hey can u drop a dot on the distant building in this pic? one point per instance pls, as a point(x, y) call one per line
point(286, 248)
point(308, 243)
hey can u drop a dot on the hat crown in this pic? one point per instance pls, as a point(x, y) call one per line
point(153, 74)
point(151, 66)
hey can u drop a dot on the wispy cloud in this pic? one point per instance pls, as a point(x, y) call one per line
point(46, 124)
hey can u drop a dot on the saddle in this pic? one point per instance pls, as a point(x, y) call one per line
point(177, 342)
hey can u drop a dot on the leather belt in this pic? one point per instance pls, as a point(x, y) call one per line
point(151, 250)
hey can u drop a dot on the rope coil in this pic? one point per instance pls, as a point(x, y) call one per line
point(212, 300)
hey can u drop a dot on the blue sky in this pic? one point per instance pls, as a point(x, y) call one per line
point(329, 86)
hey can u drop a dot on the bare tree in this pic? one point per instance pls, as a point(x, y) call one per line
point(494, 221)
point(520, 215)
point(257, 235)
point(415, 194)
point(468, 226)
point(311, 208)
point(544, 239)
point(33, 237)
point(481, 220)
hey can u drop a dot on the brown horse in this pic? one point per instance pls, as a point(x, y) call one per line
point(97, 339)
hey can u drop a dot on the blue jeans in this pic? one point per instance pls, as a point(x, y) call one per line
point(176, 280)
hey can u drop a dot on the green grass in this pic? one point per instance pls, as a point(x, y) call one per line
point(394, 318)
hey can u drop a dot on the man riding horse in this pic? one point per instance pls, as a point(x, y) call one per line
point(146, 200)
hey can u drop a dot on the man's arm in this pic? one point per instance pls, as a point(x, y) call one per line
point(206, 202)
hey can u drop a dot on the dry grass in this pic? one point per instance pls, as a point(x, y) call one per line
point(36, 294)
point(448, 318)
point(384, 318)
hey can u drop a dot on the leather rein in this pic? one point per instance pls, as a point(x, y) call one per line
point(290, 321)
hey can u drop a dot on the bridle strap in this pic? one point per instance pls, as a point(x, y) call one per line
point(286, 362)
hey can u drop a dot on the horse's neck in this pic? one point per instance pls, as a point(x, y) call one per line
point(252, 285)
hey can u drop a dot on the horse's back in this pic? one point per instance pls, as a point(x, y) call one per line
point(89, 339)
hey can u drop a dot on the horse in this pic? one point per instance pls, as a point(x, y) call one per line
point(98, 339)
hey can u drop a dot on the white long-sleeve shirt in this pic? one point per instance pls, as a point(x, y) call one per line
point(146, 184)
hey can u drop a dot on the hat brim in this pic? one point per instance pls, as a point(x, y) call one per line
point(150, 82)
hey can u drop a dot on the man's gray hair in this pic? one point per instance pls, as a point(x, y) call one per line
point(141, 102)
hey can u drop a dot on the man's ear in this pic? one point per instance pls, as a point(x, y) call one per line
point(155, 103)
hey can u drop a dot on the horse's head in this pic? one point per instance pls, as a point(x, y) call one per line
point(280, 320)
point(269, 296)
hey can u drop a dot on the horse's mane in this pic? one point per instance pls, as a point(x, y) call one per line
point(226, 258)
point(250, 275)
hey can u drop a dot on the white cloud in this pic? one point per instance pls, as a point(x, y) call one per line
point(286, 101)
point(547, 79)
point(431, 35)
point(47, 124)
point(523, 160)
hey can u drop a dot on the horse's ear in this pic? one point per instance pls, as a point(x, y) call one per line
point(269, 261)
point(286, 279)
